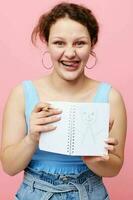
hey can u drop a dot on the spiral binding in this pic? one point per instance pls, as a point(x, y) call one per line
point(71, 130)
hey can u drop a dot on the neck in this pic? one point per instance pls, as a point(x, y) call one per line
point(67, 87)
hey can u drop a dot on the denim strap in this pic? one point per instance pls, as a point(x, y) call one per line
point(82, 191)
point(51, 189)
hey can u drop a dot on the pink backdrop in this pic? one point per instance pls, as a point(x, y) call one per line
point(20, 60)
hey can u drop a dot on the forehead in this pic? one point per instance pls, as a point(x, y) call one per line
point(66, 27)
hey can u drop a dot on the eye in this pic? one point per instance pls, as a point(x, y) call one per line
point(80, 43)
point(59, 43)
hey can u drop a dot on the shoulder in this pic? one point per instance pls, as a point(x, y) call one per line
point(16, 97)
point(116, 101)
point(117, 105)
point(16, 91)
point(115, 96)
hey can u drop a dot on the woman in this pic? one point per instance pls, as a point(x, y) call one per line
point(70, 32)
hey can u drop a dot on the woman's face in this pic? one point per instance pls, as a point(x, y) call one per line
point(69, 46)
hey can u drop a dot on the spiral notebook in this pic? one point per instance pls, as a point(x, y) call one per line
point(81, 131)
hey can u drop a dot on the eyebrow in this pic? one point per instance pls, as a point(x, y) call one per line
point(75, 39)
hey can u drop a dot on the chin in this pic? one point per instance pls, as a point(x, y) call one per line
point(70, 76)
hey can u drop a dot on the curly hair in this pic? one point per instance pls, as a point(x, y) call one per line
point(75, 12)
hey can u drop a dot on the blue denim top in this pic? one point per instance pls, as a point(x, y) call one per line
point(53, 162)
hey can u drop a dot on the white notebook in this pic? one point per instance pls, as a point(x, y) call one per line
point(80, 132)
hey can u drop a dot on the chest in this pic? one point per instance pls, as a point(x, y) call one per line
point(50, 95)
point(47, 94)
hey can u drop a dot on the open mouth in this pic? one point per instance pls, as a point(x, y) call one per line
point(73, 64)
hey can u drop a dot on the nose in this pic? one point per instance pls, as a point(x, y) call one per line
point(70, 52)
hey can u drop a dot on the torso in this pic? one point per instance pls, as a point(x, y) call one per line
point(47, 93)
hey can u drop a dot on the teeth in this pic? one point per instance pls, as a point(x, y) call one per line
point(69, 63)
point(66, 64)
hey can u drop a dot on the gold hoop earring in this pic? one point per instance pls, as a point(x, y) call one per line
point(43, 61)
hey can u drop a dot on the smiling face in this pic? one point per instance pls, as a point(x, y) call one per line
point(69, 46)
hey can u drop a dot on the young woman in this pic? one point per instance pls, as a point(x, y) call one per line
point(70, 32)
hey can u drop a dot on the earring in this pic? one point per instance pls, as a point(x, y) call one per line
point(43, 61)
point(94, 55)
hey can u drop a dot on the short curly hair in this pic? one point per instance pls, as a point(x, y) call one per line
point(75, 12)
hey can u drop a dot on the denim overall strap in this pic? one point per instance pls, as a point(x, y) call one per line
point(82, 191)
point(52, 189)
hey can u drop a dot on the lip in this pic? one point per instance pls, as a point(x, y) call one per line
point(75, 64)
point(70, 61)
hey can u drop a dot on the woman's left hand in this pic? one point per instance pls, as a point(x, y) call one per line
point(110, 146)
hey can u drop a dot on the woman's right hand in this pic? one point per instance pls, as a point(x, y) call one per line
point(41, 119)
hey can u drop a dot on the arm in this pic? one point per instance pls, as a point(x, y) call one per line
point(18, 147)
point(110, 165)
point(16, 150)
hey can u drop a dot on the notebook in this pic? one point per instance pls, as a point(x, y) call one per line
point(80, 132)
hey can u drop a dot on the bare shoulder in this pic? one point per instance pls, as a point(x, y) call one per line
point(118, 110)
point(16, 96)
point(17, 90)
point(115, 97)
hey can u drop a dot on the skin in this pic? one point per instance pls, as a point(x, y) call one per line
point(68, 41)
point(68, 47)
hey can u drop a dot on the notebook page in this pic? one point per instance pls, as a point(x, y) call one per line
point(81, 130)
point(57, 140)
point(92, 129)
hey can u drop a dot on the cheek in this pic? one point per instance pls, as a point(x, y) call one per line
point(56, 54)
point(84, 53)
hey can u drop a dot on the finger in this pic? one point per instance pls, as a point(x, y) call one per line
point(46, 108)
point(46, 128)
point(51, 112)
point(111, 141)
point(47, 120)
point(110, 148)
point(40, 106)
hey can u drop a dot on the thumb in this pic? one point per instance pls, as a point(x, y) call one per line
point(39, 107)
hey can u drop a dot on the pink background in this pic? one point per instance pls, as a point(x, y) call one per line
point(19, 60)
